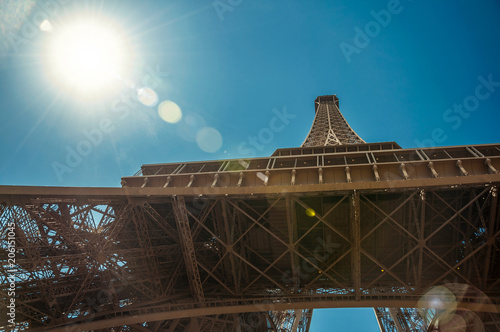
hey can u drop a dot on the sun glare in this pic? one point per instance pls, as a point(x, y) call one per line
point(88, 56)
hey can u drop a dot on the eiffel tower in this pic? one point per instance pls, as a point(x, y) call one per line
point(257, 244)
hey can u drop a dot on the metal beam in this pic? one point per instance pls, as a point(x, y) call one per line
point(421, 237)
point(491, 231)
point(229, 232)
point(18, 194)
point(356, 243)
point(296, 321)
point(188, 252)
point(394, 315)
point(291, 219)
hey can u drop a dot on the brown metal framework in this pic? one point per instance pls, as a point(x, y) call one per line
point(105, 261)
point(329, 126)
point(257, 244)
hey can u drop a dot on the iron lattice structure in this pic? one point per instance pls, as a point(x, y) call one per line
point(257, 244)
point(329, 126)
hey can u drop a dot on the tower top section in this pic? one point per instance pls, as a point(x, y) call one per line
point(326, 99)
point(330, 127)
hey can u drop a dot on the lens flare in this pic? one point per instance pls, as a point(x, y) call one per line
point(442, 299)
point(169, 111)
point(147, 96)
point(310, 212)
point(46, 26)
point(209, 139)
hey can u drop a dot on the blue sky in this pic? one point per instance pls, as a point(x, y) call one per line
point(352, 319)
point(416, 72)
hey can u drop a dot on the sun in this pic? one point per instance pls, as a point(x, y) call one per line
point(88, 56)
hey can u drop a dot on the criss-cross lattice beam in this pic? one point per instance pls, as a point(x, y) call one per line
point(394, 228)
point(188, 250)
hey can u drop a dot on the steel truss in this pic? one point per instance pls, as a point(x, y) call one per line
point(329, 126)
point(261, 260)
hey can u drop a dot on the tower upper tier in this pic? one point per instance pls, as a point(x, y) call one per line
point(329, 126)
